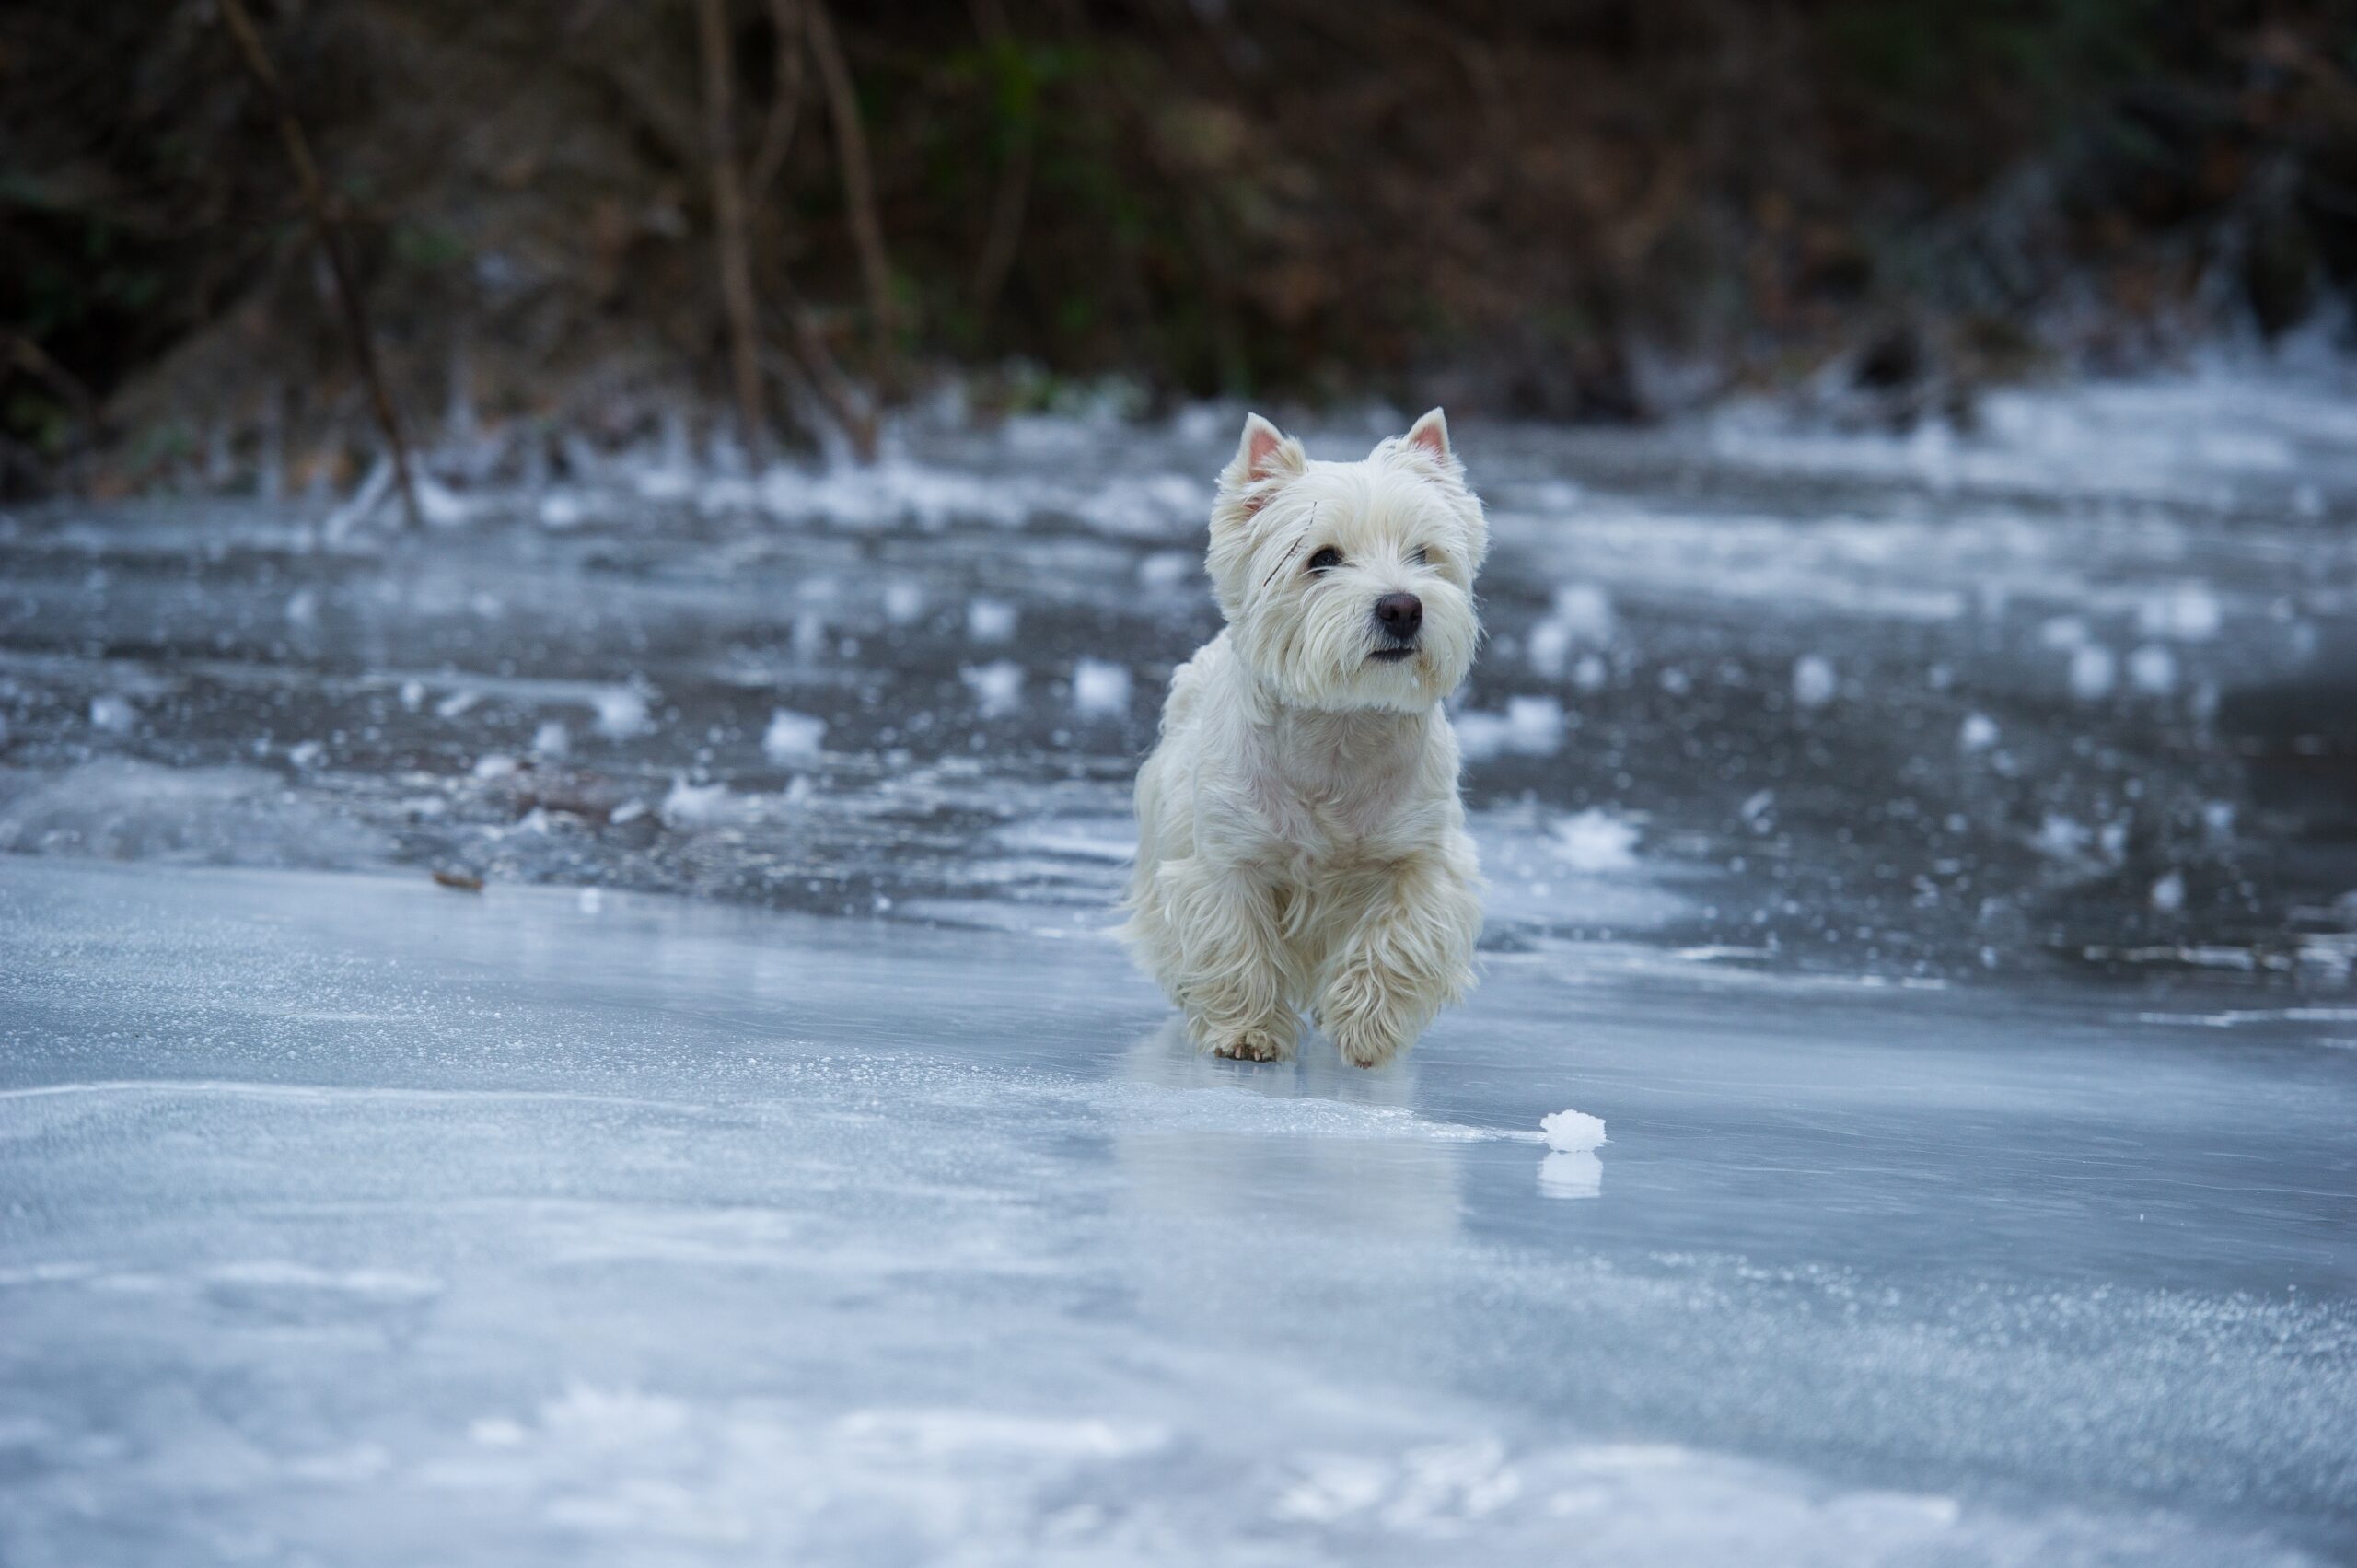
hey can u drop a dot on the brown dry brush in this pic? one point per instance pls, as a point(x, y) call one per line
point(795, 209)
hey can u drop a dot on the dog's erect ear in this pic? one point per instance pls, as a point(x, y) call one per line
point(1264, 459)
point(1431, 432)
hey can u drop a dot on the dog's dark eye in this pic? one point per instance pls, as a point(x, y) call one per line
point(1423, 557)
point(1324, 559)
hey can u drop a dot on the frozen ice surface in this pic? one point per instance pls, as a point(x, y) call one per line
point(351, 1219)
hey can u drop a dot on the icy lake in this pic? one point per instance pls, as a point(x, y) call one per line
point(1927, 856)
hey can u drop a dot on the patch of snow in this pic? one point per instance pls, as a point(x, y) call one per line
point(1580, 617)
point(1573, 1132)
point(621, 712)
point(2187, 612)
point(114, 714)
point(1978, 733)
point(997, 685)
point(2094, 672)
point(1596, 840)
point(688, 806)
point(1814, 682)
point(793, 737)
point(2152, 669)
point(1099, 689)
point(990, 621)
point(903, 601)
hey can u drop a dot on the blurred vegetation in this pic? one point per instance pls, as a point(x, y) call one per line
point(1573, 208)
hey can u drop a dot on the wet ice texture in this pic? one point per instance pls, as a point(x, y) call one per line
point(352, 1220)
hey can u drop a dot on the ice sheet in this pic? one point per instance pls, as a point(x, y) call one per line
point(352, 1219)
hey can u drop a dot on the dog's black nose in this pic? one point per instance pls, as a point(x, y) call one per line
point(1400, 615)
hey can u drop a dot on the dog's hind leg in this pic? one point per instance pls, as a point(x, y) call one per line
point(1212, 938)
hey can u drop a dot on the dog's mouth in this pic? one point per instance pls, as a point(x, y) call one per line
point(1393, 656)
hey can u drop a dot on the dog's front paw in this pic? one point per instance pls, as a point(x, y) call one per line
point(1369, 1021)
point(1249, 1045)
point(1365, 1043)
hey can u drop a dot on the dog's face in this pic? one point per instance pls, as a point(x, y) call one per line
point(1350, 584)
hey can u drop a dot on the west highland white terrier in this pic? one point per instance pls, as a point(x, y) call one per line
point(1300, 839)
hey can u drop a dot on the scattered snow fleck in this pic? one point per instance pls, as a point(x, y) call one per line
point(621, 712)
point(2218, 819)
point(693, 805)
point(302, 607)
point(1595, 840)
point(456, 705)
point(1814, 682)
point(903, 600)
point(2061, 837)
point(1978, 733)
point(1573, 1132)
point(307, 754)
point(1580, 617)
point(629, 811)
point(413, 695)
point(1531, 727)
point(561, 510)
point(2064, 631)
point(2094, 672)
point(1590, 673)
point(493, 765)
point(2188, 612)
point(793, 737)
point(552, 739)
point(1756, 808)
point(2168, 893)
point(997, 685)
point(990, 621)
point(1100, 689)
point(2152, 669)
point(112, 713)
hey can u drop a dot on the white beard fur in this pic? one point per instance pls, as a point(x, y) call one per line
point(1300, 839)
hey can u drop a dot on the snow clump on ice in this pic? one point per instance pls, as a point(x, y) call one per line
point(1573, 1132)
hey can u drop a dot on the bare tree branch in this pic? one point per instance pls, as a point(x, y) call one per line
point(323, 229)
point(729, 220)
point(1014, 191)
point(859, 180)
point(786, 97)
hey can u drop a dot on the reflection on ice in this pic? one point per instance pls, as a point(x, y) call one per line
point(1571, 1173)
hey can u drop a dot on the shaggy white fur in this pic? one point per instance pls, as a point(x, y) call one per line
point(1300, 839)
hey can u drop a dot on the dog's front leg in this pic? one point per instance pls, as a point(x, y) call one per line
point(1225, 961)
point(1410, 954)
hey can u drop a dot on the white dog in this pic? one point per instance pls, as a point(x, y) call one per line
point(1300, 839)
